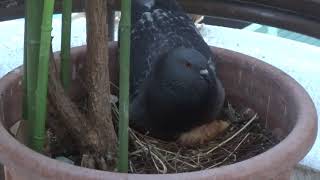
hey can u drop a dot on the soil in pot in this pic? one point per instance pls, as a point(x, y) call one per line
point(246, 137)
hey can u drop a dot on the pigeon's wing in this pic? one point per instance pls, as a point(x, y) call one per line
point(137, 113)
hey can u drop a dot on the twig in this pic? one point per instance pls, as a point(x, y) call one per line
point(165, 169)
point(234, 135)
point(146, 147)
point(235, 149)
point(186, 163)
point(231, 113)
point(131, 167)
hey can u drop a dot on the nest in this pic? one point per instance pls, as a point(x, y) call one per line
point(244, 138)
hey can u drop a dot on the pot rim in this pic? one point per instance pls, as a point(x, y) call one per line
point(302, 136)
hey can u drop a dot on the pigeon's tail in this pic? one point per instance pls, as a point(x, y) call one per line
point(144, 4)
point(163, 4)
point(141, 6)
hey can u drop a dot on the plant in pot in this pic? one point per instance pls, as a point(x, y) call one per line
point(282, 104)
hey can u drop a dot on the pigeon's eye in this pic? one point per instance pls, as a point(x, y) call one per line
point(188, 64)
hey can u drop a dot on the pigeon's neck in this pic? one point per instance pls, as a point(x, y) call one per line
point(174, 93)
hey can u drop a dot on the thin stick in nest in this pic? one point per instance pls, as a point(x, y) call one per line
point(234, 135)
point(235, 149)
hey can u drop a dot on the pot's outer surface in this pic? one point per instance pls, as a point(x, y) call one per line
point(280, 101)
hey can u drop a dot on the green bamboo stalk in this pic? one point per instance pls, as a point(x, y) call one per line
point(24, 78)
point(38, 131)
point(125, 26)
point(65, 43)
point(33, 22)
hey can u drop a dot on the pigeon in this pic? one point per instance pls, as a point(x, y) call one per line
point(175, 93)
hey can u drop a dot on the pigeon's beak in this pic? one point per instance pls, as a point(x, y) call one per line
point(204, 73)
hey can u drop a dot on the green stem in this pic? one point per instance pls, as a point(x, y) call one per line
point(33, 20)
point(125, 26)
point(24, 78)
point(65, 43)
point(38, 131)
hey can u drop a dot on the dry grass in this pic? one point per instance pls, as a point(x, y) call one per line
point(244, 139)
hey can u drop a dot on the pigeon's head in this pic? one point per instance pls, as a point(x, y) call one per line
point(185, 67)
point(184, 76)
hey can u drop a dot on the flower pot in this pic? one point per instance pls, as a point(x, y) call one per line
point(283, 106)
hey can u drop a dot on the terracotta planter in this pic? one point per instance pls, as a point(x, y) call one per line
point(282, 103)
